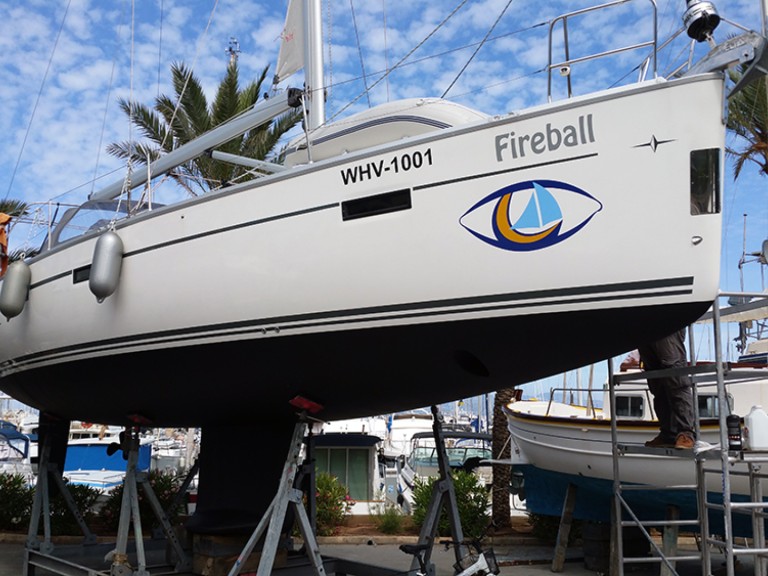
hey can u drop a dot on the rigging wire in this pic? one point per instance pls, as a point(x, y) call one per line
point(194, 61)
point(480, 45)
point(106, 108)
point(450, 51)
point(360, 51)
point(160, 46)
point(404, 58)
point(386, 47)
point(37, 100)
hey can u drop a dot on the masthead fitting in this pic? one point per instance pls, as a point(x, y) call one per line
point(700, 19)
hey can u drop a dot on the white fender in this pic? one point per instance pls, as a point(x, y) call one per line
point(15, 289)
point(106, 266)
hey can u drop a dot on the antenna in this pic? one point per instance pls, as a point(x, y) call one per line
point(233, 50)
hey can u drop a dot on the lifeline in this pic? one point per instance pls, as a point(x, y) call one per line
point(548, 140)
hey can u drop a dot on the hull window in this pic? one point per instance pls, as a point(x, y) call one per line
point(705, 181)
point(375, 205)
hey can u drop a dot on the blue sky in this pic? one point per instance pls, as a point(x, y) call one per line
point(60, 77)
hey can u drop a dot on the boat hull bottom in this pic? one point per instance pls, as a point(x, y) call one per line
point(351, 373)
point(545, 494)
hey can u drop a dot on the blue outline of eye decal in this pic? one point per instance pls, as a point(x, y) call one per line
point(538, 222)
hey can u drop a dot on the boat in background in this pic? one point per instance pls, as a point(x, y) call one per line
point(15, 451)
point(554, 444)
point(466, 450)
point(94, 458)
point(350, 450)
point(387, 251)
point(401, 428)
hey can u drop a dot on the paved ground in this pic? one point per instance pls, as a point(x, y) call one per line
point(516, 558)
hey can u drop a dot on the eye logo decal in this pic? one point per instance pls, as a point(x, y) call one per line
point(530, 215)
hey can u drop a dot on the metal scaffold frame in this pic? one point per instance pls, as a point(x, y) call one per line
point(718, 374)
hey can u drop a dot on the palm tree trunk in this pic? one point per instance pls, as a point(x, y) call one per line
point(502, 473)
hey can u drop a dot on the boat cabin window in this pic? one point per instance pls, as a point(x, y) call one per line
point(708, 405)
point(350, 466)
point(91, 217)
point(630, 406)
point(705, 181)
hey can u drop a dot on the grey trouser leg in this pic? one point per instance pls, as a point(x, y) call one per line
point(672, 396)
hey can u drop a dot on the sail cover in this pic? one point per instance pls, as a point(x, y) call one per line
point(291, 57)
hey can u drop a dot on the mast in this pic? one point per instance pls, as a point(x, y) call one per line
point(313, 63)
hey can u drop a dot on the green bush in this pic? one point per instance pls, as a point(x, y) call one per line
point(17, 497)
point(333, 503)
point(472, 500)
point(15, 502)
point(62, 520)
point(164, 485)
point(388, 517)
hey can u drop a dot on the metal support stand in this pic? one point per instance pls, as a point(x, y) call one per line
point(42, 504)
point(129, 511)
point(443, 493)
point(274, 517)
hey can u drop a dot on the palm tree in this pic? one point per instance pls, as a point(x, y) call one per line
point(14, 208)
point(502, 473)
point(748, 118)
point(166, 126)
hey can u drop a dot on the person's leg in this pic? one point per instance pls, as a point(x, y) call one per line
point(661, 401)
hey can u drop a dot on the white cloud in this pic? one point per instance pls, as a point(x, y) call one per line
point(66, 131)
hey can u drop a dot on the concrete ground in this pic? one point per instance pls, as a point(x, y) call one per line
point(516, 557)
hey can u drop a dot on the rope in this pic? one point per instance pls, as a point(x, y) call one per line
point(37, 101)
point(477, 49)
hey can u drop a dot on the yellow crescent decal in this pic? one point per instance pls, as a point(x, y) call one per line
point(506, 230)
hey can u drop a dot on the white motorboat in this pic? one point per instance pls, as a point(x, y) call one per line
point(468, 451)
point(420, 247)
point(400, 430)
point(350, 450)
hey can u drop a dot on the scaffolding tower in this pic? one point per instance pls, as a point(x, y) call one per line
point(720, 459)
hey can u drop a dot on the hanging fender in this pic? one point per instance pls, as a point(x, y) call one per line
point(15, 289)
point(106, 266)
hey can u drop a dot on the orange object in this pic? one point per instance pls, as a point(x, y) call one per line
point(4, 220)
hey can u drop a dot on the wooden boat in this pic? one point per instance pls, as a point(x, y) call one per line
point(555, 444)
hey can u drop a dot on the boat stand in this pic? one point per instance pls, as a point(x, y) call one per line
point(41, 504)
point(67, 561)
point(443, 494)
point(129, 512)
point(274, 519)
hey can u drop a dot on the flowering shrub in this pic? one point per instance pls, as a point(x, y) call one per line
point(16, 497)
point(333, 503)
point(164, 485)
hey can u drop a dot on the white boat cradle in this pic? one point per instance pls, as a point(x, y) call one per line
point(394, 266)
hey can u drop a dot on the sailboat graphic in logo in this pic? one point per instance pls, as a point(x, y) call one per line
point(530, 215)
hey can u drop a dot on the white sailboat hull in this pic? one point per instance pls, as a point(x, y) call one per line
point(264, 291)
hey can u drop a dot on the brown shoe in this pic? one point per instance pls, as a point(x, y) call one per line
point(660, 442)
point(684, 441)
